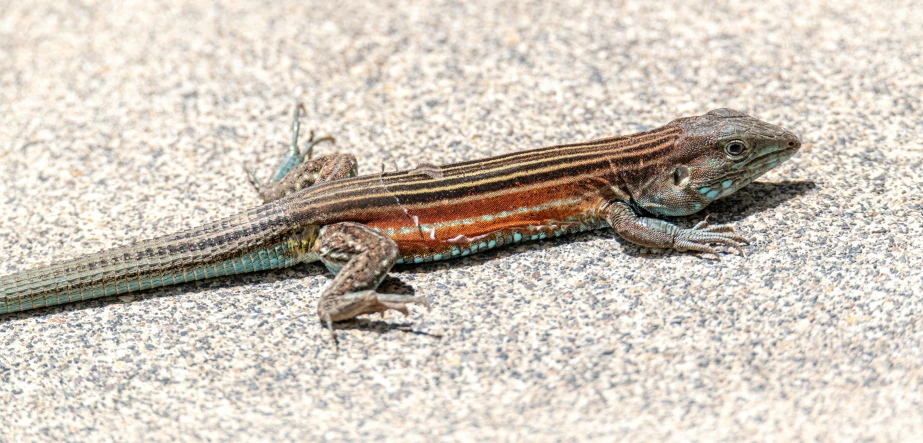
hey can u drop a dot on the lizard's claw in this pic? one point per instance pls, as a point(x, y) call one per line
point(702, 236)
point(253, 178)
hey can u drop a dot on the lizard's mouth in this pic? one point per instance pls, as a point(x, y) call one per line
point(760, 165)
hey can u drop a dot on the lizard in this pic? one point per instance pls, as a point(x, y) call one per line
point(360, 226)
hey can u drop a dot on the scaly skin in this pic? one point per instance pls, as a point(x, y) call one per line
point(360, 226)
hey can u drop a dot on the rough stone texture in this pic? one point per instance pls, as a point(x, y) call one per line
point(126, 120)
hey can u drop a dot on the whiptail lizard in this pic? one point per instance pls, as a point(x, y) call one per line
point(361, 226)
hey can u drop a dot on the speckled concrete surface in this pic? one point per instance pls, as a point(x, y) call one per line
point(123, 121)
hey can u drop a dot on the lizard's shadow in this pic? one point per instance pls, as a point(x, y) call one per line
point(754, 198)
point(374, 323)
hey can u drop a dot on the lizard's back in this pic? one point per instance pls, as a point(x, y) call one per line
point(436, 212)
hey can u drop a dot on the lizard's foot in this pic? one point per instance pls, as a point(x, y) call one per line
point(295, 157)
point(293, 168)
point(657, 233)
point(701, 236)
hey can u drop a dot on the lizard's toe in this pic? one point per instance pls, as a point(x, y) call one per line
point(702, 239)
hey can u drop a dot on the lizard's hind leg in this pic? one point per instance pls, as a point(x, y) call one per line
point(295, 174)
point(360, 257)
point(322, 169)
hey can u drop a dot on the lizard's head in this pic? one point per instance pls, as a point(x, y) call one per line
point(715, 155)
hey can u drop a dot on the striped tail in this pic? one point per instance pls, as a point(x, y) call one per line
point(258, 239)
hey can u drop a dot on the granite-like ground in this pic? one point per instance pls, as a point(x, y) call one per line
point(125, 120)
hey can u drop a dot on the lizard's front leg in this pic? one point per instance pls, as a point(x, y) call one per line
point(360, 257)
point(656, 233)
point(295, 174)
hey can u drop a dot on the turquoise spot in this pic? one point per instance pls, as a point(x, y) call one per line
point(400, 261)
point(704, 190)
point(465, 252)
point(517, 237)
point(437, 257)
point(697, 206)
point(474, 247)
point(727, 183)
point(492, 243)
point(483, 245)
point(712, 194)
point(542, 235)
point(455, 250)
point(534, 237)
point(418, 259)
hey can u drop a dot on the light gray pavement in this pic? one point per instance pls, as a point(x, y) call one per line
point(125, 120)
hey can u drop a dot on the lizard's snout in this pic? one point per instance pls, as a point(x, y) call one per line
point(792, 142)
point(787, 141)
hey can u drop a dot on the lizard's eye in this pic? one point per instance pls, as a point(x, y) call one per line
point(735, 148)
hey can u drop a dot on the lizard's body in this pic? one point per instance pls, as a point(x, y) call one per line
point(361, 226)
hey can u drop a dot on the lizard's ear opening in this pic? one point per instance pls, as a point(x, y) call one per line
point(681, 175)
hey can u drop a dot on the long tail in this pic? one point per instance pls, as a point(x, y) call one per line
point(258, 239)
